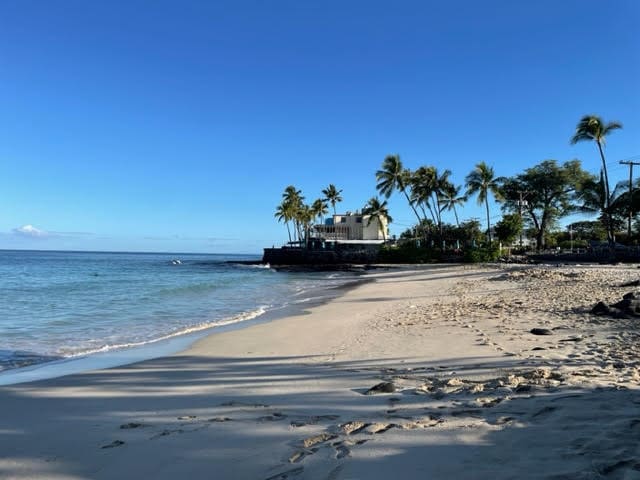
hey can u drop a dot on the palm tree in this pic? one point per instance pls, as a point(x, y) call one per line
point(393, 177)
point(332, 195)
point(283, 214)
point(377, 211)
point(592, 199)
point(451, 198)
point(482, 180)
point(423, 184)
point(593, 128)
point(304, 215)
point(292, 200)
point(319, 208)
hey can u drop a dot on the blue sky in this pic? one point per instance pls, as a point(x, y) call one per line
point(175, 126)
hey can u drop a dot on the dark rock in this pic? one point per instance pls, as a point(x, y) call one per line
point(630, 306)
point(538, 348)
point(635, 283)
point(631, 295)
point(384, 387)
point(601, 308)
point(541, 331)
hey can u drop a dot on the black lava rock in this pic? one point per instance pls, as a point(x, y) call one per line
point(541, 331)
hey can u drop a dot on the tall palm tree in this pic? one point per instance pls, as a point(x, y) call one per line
point(292, 199)
point(593, 128)
point(283, 213)
point(332, 195)
point(482, 181)
point(423, 184)
point(392, 176)
point(379, 212)
point(305, 217)
point(451, 198)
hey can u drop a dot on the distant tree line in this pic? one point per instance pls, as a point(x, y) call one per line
point(532, 202)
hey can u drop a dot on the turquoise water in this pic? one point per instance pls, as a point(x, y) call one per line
point(57, 305)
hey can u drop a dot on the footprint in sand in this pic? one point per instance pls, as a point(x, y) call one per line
point(353, 427)
point(287, 474)
point(544, 412)
point(115, 443)
point(131, 425)
point(316, 439)
point(219, 419)
point(274, 417)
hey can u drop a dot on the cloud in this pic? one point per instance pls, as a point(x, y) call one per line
point(30, 231)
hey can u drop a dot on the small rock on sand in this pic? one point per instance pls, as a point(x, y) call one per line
point(384, 387)
point(541, 331)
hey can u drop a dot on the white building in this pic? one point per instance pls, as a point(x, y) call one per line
point(352, 226)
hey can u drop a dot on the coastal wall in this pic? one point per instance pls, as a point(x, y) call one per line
point(340, 254)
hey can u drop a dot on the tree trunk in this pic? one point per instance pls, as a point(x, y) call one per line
point(412, 207)
point(607, 202)
point(540, 237)
point(486, 202)
point(456, 214)
point(288, 231)
point(416, 212)
point(439, 214)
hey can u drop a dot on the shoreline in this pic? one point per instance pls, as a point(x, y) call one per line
point(152, 349)
point(469, 392)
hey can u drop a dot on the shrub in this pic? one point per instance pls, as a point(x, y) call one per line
point(481, 254)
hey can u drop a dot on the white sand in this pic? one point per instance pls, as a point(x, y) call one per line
point(285, 399)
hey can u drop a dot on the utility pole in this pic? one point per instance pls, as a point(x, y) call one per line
point(521, 203)
point(631, 164)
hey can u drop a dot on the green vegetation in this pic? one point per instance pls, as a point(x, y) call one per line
point(593, 128)
point(377, 211)
point(533, 203)
point(482, 181)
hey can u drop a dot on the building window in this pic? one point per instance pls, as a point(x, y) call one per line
point(358, 219)
point(343, 220)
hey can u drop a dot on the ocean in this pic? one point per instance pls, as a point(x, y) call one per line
point(56, 306)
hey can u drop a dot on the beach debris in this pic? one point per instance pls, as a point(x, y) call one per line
point(384, 387)
point(541, 331)
point(115, 443)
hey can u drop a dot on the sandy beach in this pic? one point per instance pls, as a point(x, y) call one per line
point(464, 389)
